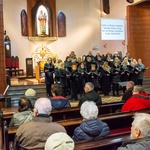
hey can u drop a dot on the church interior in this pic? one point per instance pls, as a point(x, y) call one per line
point(32, 31)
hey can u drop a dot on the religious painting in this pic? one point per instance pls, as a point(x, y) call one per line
point(61, 25)
point(24, 23)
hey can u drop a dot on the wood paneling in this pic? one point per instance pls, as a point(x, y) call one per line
point(2, 54)
point(138, 31)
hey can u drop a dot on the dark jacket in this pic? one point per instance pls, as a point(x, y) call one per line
point(127, 95)
point(91, 96)
point(59, 102)
point(90, 129)
point(136, 144)
point(49, 74)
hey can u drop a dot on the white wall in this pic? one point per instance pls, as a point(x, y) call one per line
point(83, 28)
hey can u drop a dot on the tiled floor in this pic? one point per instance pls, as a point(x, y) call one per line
point(24, 81)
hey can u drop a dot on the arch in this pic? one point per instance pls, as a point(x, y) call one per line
point(24, 23)
point(42, 21)
point(47, 9)
point(61, 25)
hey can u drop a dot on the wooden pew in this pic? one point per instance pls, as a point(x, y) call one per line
point(108, 118)
point(118, 122)
point(110, 142)
point(68, 113)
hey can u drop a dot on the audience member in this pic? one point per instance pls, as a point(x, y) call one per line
point(129, 89)
point(24, 114)
point(58, 101)
point(91, 126)
point(31, 95)
point(90, 95)
point(59, 141)
point(139, 100)
point(140, 134)
point(33, 135)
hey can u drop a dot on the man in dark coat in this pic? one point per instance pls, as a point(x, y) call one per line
point(90, 95)
point(140, 134)
point(128, 93)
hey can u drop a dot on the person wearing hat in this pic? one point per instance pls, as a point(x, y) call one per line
point(49, 70)
point(59, 141)
point(31, 95)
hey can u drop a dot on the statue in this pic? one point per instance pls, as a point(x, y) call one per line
point(42, 22)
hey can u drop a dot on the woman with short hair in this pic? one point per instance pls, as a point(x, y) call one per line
point(58, 101)
point(91, 127)
point(24, 113)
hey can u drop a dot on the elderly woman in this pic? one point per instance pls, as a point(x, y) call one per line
point(91, 126)
point(24, 113)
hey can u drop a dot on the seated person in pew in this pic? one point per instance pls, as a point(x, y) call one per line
point(140, 133)
point(128, 93)
point(138, 101)
point(33, 135)
point(58, 101)
point(24, 114)
point(31, 95)
point(59, 141)
point(91, 126)
point(90, 95)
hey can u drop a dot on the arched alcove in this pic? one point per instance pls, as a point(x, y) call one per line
point(49, 8)
point(61, 25)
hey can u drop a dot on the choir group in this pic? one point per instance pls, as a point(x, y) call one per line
point(104, 71)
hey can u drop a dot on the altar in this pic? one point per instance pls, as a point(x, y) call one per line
point(40, 57)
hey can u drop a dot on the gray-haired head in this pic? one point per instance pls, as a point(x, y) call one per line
point(43, 106)
point(130, 84)
point(138, 89)
point(89, 110)
point(90, 86)
point(141, 124)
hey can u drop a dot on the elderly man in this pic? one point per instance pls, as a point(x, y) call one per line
point(139, 100)
point(33, 135)
point(90, 95)
point(140, 133)
point(128, 93)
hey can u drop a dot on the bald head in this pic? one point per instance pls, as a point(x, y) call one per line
point(42, 106)
point(130, 84)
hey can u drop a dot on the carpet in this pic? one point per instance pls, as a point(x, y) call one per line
point(14, 81)
point(105, 99)
point(32, 80)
